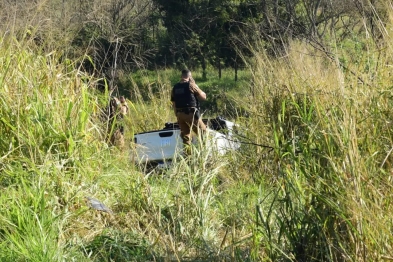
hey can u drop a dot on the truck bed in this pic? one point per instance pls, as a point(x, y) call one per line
point(163, 145)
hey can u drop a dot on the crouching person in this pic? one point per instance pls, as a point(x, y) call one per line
point(118, 111)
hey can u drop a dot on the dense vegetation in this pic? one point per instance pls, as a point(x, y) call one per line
point(312, 96)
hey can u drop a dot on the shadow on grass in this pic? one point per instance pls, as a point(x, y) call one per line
point(131, 247)
point(121, 247)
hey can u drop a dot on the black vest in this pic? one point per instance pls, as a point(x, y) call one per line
point(183, 97)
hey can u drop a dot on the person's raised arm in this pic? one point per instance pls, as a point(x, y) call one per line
point(196, 90)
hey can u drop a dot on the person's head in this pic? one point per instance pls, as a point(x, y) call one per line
point(185, 74)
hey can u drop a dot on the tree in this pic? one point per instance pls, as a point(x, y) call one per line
point(205, 30)
point(115, 34)
point(284, 20)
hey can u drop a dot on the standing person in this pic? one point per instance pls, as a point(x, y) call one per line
point(118, 110)
point(185, 99)
point(123, 112)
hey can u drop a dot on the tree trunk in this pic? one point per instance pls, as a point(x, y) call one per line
point(219, 68)
point(204, 68)
point(236, 71)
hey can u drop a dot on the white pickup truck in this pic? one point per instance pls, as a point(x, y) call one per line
point(160, 146)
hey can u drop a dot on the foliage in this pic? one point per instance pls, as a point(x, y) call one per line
point(117, 248)
point(311, 181)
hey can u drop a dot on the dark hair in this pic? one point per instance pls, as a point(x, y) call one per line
point(185, 73)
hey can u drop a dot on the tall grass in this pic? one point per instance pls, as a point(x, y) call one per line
point(54, 154)
point(311, 181)
point(329, 175)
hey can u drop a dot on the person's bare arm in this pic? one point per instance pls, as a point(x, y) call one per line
point(197, 91)
point(201, 95)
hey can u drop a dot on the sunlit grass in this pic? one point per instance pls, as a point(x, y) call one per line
point(311, 181)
